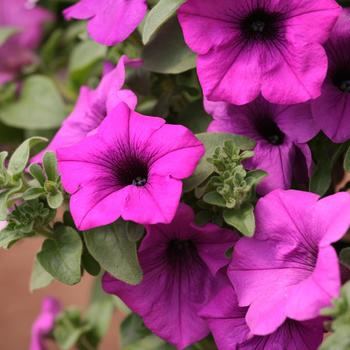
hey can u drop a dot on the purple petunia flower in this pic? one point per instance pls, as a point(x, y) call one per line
point(280, 132)
point(92, 107)
point(226, 321)
point(332, 109)
point(132, 167)
point(110, 21)
point(294, 271)
point(181, 264)
point(246, 47)
point(17, 51)
point(44, 324)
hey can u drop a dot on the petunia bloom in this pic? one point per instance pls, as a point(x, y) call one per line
point(92, 107)
point(332, 109)
point(181, 264)
point(131, 167)
point(280, 132)
point(248, 47)
point(44, 324)
point(110, 21)
point(17, 51)
point(226, 320)
point(295, 270)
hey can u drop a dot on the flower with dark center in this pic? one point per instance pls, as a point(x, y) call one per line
point(181, 263)
point(18, 50)
point(251, 47)
point(295, 271)
point(281, 134)
point(131, 167)
point(92, 107)
point(332, 109)
point(226, 320)
point(109, 22)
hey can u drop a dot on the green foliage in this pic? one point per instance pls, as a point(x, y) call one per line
point(158, 15)
point(167, 53)
point(6, 33)
point(85, 332)
point(340, 312)
point(211, 141)
point(60, 255)
point(39, 107)
point(345, 257)
point(40, 278)
point(227, 185)
point(114, 251)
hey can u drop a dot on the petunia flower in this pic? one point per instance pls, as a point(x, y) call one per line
point(226, 321)
point(44, 324)
point(280, 132)
point(246, 47)
point(92, 107)
point(332, 109)
point(17, 51)
point(289, 269)
point(110, 21)
point(131, 168)
point(181, 264)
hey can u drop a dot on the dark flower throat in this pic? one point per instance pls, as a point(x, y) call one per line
point(269, 130)
point(341, 79)
point(261, 25)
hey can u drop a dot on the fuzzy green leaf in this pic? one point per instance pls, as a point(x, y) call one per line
point(7, 32)
point(40, 278)
point(159, 14)
point(39, 107)
point(242, 219)
point(20, 156)
point(111, 247)
point(61, 255)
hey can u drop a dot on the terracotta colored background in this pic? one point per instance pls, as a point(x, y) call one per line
point(19, 307)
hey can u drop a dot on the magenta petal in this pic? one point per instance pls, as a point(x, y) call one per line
point(110, 21)
point(44, 324)
point(231, 74)
point(303, 67)
point(295, 271)
point(315, 293)
point(177, 280)
point(156, 202)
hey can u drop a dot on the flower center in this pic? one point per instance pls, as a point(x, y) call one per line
point(131, 171)
point(269, 130)
point(341, 79)
point(181, 250)
point(261, 25)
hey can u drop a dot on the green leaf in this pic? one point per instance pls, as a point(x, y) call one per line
point(50, 166)
point(20, 156)
point(256, 175)
point(61, 255)
point(159, 14)
point(5, 197)
point(39, 107)
point(83, 58)
point(133, 330)
point(242, 219)
point(340, 340)
point(151, 342)
point(69, 328)
point(33, 193)
point(214, 198)
point(347, 160)
point(7, 32)
point(345, 257)
point(134, 231)
point(55, 200)
point(37, 172)
point(9, 237)
point(111, 247)
point(167, 53)
point(211, 141)
point(100, 310)
point(90, 264)
point(40, 278)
